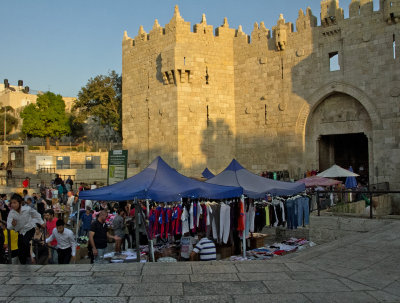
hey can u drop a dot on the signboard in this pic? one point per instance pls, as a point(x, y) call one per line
point(44, 162)
point(117, 166)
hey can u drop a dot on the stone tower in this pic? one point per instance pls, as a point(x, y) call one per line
point(282, 99)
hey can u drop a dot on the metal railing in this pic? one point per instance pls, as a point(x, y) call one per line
point(365, 194)
point(54, 168)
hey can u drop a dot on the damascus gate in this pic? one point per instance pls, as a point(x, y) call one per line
point(299, 96)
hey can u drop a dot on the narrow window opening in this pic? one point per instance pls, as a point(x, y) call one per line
point(184, 60)
point(204, 30)
point(265, 113)
point(334, 61)
point(394, 46)
point(282, 67)
point(207, 77)
point(167, 75)
point(391, 4)
point(208, 117)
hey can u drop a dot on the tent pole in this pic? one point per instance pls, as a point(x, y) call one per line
point(244, 232)
point(137, 216)
point(77, 227)
point(147, 207)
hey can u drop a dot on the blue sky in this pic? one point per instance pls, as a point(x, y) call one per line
point(58, 45)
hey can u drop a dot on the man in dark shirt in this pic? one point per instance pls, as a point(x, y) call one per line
point(98, 236)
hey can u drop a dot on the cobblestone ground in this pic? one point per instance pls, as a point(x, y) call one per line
point(362, 268)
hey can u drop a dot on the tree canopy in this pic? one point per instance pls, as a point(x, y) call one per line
point(101, 99)
point(46, 118)
point(11, 121)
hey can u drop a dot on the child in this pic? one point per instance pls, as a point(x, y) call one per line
point(86, 222)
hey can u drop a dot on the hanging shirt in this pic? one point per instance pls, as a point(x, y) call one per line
point(185, 221)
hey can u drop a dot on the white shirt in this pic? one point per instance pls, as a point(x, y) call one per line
point(26, 219)
point(70, 201)
point(88, 203)
point(64, 240)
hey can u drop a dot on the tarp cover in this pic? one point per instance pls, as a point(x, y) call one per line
point(254, 186)
point(318, 181)
point(336, 172)
point(207, 173)
point(160, 182)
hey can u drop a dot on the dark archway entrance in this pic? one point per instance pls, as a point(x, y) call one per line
point(345, 150)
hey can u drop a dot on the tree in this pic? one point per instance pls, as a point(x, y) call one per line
point(101, 99)
point(11, 121)
point(47, 118)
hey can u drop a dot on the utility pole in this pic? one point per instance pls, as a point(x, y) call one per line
point(5, 124)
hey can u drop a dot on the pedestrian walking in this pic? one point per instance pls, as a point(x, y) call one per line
point(66, 245)
point(23, 219)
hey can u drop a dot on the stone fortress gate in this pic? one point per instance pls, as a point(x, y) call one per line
point(279, 99)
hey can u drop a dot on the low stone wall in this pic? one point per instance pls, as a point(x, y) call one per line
point(383, 205)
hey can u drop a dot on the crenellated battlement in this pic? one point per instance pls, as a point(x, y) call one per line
point(331, 14)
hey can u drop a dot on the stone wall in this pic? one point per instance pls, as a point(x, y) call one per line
point(199, 99)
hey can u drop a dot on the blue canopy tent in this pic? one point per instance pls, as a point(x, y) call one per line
point(160, 182)
point(254, 186)
point(207, 173)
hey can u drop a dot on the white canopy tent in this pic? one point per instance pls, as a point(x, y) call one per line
point(336, 172)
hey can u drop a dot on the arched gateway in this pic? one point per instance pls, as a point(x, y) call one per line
point(338, 129)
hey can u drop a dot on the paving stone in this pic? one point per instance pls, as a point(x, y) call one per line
point(195, 299)
point(273, 298)
point(300, 267)
point(375, 278)
point(73, 274)
point(169, 270)
point(41, 300)
point(355, 285)
point(340, 297)
point(121, 267)
point(101, 300)
point(214, 268)
point(311, 275)
point(31, 280)
point(165, 278)
point(393, 288)
point(7, 291)
point(152, 289)
point(291, 286)
point(336, 269)
point(107, 273)
point(213, 277)
point(4, 279)
point(93, 290)
point(66, 267)
point(32, 274)
point(263, 276)
point(217, 288)
point(18, 268)
point(383, 296)
point(40, 290)
point(98, 280)
point(150, 299)
point(265, 267)
point(6, 299)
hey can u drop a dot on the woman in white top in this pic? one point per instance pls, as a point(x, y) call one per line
point(23, 219)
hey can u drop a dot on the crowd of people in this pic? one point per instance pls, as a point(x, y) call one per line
point(40, 227)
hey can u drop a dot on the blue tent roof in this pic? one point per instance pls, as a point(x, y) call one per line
point(254, 186)
point(160, 182)
point(207, 173)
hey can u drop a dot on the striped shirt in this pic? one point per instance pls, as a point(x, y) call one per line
point(206, 249)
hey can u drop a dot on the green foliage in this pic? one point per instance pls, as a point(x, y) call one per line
point(46, 118)
point(11, 121)
point(101, 99)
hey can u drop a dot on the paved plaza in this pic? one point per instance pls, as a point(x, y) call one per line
point(360, 268)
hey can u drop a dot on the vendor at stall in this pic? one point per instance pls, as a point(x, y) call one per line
point(205, 248)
